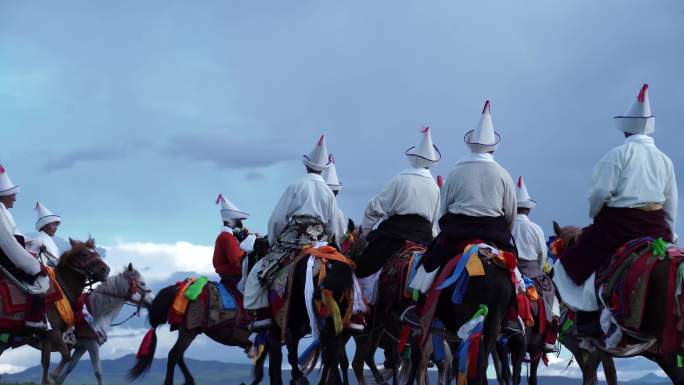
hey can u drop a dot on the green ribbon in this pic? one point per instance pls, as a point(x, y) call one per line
point(659, 248)
point(482, 311)
point(679, 361)
point(195, 289)
point(4, 337)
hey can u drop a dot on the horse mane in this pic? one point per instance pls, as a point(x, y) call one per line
point(77, 248)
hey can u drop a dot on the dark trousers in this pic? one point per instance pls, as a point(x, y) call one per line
point(459, 228)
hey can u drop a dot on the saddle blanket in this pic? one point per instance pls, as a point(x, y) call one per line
point(14, 303)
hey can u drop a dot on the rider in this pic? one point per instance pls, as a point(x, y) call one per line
point(531, 244)
point(227, 251)
point(477, 202)
point(634, 194)
point(46, 224)
point(406, 209)
point(16, 260)
point(306, 213)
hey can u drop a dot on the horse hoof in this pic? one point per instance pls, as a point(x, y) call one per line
point(299, 381)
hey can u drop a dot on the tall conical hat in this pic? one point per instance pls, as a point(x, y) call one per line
point(318, 158)
point(45, 216)
point(6, 185)
point(425, 154)
point(523, 196)
point(330, 176)
point(639, 118)
point(483, 138)
point(228, 210)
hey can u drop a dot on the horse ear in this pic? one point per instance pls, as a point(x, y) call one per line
point(130, 266)
point(90, 243)
point(351, 226)
point(556, 228)
point(72, 242)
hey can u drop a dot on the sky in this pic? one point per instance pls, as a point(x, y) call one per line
point(128, 118)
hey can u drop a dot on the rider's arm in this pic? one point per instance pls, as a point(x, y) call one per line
point(605, 179)
point(379, 206)
point(510, 202)
point(279, 216)
point(13, 250)
point(670, 204)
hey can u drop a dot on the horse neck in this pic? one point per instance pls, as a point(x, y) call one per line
point(71, 282)
point(107, 301)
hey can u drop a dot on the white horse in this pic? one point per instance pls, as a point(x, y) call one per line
point(106, 302)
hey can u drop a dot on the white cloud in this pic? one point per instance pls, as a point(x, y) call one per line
point(158, 261)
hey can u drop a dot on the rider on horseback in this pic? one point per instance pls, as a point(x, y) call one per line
point(16, 260)
point(46, 224)
point(477, 202)
point(228, 250)
point(531, 244)
point(407, 207)
point(305, 214)
point(634, 194)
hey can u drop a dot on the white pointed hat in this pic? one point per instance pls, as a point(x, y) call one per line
point(6, 185)
point(523, 196)
point(483, 138)
point(228, 210)
point(425, 154)
point(639, 118)
point(45, 216)
point(330, 176)
point(318, 158)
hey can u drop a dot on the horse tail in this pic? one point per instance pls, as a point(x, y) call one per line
point(157, 314)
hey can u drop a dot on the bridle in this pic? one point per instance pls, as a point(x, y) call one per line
point(133, 288)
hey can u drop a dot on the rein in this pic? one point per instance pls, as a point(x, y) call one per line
point(133, 288)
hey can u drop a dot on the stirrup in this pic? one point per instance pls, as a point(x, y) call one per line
point(409, 316)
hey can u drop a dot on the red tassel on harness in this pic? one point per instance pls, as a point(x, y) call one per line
point(473, 354)
point(144, 349)
point(404, 338)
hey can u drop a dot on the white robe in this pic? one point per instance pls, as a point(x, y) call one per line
point(21, 258)
point(308, 196)
point(529, 239)
point(478, 186)
point(634, 174)
point(413, 191)
point(42, 239)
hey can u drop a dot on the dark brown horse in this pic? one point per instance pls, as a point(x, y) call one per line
point(76, 269)
point(652, 325)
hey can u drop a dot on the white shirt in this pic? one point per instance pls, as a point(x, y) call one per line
point(17, 254)
point(413, 191)
point(634, 174)
point(42, 239)
point(478, 186)
point(530, 240)
point(309, 196)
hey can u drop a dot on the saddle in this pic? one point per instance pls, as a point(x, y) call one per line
point(14, 302)
point(624, 284)
point(211, 306)
point(400, 269)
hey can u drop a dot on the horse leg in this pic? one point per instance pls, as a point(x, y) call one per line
point(275, 357)
point(668, 365)
point(259, 369)
point(534, 365)
point(344, 360)
point(518, 346)
point(590, 368)
point(360, 354)
point(496, 361)
point(94, 352)
point(185, 339)
point(71, 364)
point(46, 348)
point(609, 369)
point(293, 359)
point(66, 356)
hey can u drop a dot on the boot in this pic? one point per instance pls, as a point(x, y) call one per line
point(261, 319)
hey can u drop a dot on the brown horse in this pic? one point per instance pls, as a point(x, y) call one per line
point(652, 325)
point(76, 269)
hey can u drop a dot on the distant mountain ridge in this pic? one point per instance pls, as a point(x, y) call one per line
point(220, 373)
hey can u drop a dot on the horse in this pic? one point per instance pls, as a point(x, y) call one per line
point(338, 282)
point(230, 335)
point(77, 268)
point(652, 326)
point(515, 347)
point(106, 301)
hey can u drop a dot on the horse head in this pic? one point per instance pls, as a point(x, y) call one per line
point(568, 235)
point(84, 259)
point(138, 293)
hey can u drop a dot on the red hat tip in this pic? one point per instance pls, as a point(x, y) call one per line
point(520, 182)
point(487, 107)
point(37, 205)
point(425, 129)
point(320, 140)
point(219, 199)
point(2, 169)
point(331, 158)
point(440, 181)
point(642, 93)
